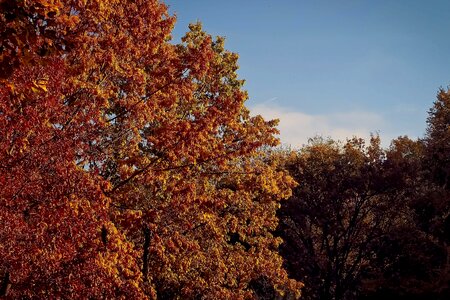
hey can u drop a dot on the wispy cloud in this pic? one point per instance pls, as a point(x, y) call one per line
point(270, 100)
point(296, 127)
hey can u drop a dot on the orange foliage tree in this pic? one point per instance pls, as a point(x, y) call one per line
point(129, 166)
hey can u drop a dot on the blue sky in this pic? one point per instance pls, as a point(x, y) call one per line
point(335, 68)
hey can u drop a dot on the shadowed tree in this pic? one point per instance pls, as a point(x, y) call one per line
point(340, 210)
point(437, 140)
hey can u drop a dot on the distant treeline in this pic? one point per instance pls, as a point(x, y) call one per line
point(372, 223)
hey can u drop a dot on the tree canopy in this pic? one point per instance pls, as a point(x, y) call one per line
point(129, 165)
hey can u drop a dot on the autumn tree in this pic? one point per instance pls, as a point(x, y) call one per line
point(416, 258)
point(437, 162)
point(432, 201)
point(340, 210)
point(207, 201)
point(51, 113)
point(410, 260)
point(129, 166)
point(438, 139)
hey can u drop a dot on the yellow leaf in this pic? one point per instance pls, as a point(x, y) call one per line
point(40, 84)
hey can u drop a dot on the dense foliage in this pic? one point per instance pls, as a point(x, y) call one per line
point(129, 165)
point(130, 168)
